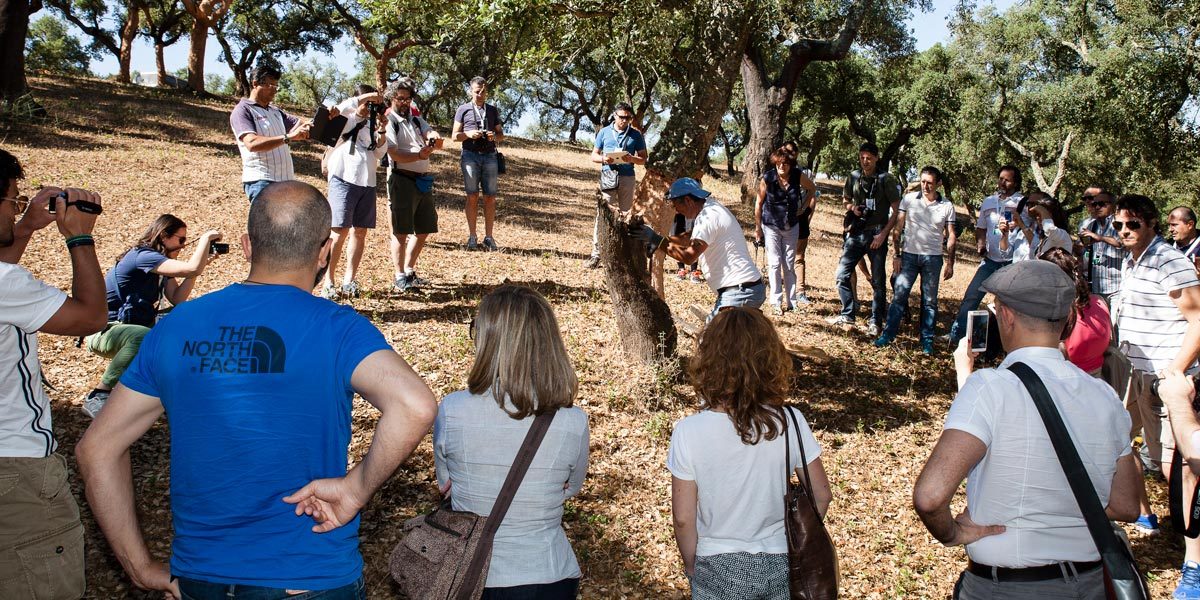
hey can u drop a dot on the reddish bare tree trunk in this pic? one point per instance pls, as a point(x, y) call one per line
point(128, 33)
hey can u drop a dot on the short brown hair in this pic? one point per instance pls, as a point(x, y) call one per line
point(781, 155)
point(742, 368)
point(519, 353)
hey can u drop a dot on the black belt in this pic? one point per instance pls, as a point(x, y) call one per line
point(1027, 574)
point(740, 286)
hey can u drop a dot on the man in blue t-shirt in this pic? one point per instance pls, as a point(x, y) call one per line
point(256, 381)
point(618, 147)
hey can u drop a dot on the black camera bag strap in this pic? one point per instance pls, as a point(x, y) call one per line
point(1119, 566)
point(1189, 524)
point(349, 137)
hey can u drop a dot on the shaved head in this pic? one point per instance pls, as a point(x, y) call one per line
point(288, 224)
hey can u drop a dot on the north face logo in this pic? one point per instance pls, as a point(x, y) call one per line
point(243, 350)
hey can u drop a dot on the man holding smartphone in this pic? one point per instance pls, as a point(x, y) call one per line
point(478, 126)
point(410, 143)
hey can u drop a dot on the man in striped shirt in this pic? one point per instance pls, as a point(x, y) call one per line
point(1158, 318)
point(263, 133)
point(1104, 252)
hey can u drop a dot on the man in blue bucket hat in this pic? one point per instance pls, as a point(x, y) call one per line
point(716, 241)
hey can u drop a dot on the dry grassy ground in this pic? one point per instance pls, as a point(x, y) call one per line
point(875, 412)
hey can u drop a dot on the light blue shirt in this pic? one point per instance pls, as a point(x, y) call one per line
point(474, 444)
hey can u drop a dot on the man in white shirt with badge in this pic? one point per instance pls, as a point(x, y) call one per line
point(717, 241)
point(410, 141)
point(1023, 529)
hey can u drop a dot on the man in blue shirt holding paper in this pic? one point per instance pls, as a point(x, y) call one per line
point(617, 179)
point(257, 382)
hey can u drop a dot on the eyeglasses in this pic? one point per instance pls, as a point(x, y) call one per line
point(1132, 225)
point(22, 203)
point(624, 117)
point(273, 86)
point(182, 238)
point(1088, 197)
point(403, 98)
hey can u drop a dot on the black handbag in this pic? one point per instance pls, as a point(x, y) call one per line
point(501, 164)
point(1122, 580)
point(812, 558)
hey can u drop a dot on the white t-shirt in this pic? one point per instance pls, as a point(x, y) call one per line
point(990, 214)
point(358, 168)
point(25, 305)
point(740, 486)
point(1020, 482)
point(1150, 325)
point(408, 135)
point(925, 224)
point(726, 261)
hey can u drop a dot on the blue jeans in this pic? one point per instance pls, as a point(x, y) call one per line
point(194, 589)
point(479, 170)
point(254, 188)
point(751, 297)
point(973, 297)
point(929, 267)
point(854, 248)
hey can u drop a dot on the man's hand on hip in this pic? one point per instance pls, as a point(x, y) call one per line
point(967, 531)
point(330, 502)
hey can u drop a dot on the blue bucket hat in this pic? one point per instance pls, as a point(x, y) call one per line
point(686, 186)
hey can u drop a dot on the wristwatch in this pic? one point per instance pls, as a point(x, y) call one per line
point(286, 139)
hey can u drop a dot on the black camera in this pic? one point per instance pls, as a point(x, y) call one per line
point(1195, 387)
point(218, 248)
point(376, 111)
point(81, 205)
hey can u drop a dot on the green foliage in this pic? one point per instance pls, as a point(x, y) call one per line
point(50, 47)
point(312, 82)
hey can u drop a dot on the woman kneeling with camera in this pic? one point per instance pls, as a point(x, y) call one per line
point(143, 274)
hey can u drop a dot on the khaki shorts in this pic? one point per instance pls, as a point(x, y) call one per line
point(412, 210)
point(1147, 413)
point(621, 198)
point(41, 538)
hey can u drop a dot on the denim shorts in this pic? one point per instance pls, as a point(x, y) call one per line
point(352, 205)
point(479, 170)
point(751, 297)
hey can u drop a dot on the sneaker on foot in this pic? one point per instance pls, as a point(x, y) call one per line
point(800, 299)
point(872, 329)
point(683, 274)
point(1146, 524)
point(776, 310)
point(696, 276)
point(329, 292)
point(414, 281)
point(1189, 582)
point(592, 262)
point(94, 401)
point(883, 340)
point(402, 284)
point(350, 290)
point(839, 320)
point(927, 347)
point(472, 243)
point(489, 244)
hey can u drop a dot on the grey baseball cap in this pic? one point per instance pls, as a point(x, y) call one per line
point(1037, 288)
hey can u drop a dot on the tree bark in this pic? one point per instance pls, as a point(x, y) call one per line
point(768, 97)
point(199, 41)
point(129, 32)
point(14, 24)
point(160, 65)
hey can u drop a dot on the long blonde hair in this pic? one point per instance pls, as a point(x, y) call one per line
point(519, 353)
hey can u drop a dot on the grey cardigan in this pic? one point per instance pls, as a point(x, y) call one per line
point(474, 444)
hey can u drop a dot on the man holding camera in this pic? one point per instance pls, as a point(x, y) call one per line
point(478, 126)
point(716, 241)
point(257, 382)
point(410, 143)
point(873, 201)
point(1023, 529)
point(1103, 252)
point(617, 177)
point(41, 537)
point(263, 133)
point(352, 165)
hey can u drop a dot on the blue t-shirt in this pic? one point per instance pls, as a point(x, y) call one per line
point(132, 287)
point(630, 140)
point(255, 381)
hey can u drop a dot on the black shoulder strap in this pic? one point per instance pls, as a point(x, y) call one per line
point(1175, 493)
point(1111, 551)
point(529, 448)
point(350, 136)
point(787, 454)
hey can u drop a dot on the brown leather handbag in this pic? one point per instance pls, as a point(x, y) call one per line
point(812, 559)
point(445, 554)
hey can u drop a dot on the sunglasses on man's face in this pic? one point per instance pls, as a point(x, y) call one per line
point(21, 202)
point(1132, 225)
point(1098, 204)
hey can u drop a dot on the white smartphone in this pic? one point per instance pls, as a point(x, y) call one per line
point(977, 330)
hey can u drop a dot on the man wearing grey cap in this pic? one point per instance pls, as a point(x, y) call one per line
point(1023, 529)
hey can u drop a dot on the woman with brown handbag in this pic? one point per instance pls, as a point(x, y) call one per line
point(521, 370)
point(727, 462)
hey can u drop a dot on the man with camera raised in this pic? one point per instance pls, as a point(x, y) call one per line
point(39, 515)
point(478, 126)
point(263, 132)
point(352, 165)
point(410, 143)
point(873, 200)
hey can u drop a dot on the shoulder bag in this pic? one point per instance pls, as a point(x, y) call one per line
point(445, 553)
point(812, 559)
point(1122, 580)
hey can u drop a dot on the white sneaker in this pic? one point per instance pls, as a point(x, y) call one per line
point(872, 329)
point(839, 320)
point(329, 292)
point(94, 401)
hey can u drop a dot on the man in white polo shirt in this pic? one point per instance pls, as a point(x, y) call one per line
point(1024, 532)
point(716, 241)
point(927, 220)
point(263, 133)
point(1158, 323)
